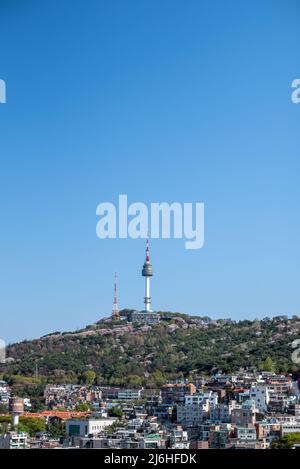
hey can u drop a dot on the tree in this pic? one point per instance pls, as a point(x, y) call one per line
point(88, 377)
point(115, 412)
point(268, 364)
point(287, 441)
point(135, 380)
point(56, 429)
point(3, 408)
point(38, 405)
point(156, 379)
point(5, 423)
point(32, 425)
point(82, 407)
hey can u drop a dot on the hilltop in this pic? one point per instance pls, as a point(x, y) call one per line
point(118, 352)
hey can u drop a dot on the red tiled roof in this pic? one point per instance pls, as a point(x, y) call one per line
point(56, 413)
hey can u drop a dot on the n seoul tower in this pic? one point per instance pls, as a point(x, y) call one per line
point(147, 272)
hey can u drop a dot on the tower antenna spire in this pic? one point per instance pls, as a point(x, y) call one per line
point(147, 251)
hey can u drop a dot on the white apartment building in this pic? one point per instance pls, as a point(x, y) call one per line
point(179, 439)
point(14, 440)
point(192, 414)
point(129, 394)
point(201, 397)
point(290, 427)
point(85, 427)
point(259, 393)
point(246, 433)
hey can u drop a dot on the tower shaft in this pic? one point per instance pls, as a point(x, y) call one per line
point(147, 299)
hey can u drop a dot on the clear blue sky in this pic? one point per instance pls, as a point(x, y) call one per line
point(163, 100)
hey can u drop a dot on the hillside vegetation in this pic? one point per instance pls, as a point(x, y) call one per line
point(121, 353)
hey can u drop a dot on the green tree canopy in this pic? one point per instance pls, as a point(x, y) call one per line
point(287, 441)
point(268, 364)
point(115, 412)
point(88, 377)
point(32, 425)
point(82, 407)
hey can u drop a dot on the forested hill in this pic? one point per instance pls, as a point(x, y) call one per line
point(118, 352)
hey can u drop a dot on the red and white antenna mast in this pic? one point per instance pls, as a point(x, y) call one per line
point(115, 310)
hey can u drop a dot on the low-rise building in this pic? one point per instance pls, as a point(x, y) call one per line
point(198, 444)
point(218, 438)
point(86, 427)
point(179, 439)
point(14, 440)
point(290, 427)
point(222, 412)
point(247, 432)
point(192, 415)
point(197, 399)
point(122, 394)
point(175, 393)
point(145, 317)
point(129, 394)
point(244, 414)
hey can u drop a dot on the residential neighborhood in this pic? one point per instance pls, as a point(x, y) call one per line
point(247, 410)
